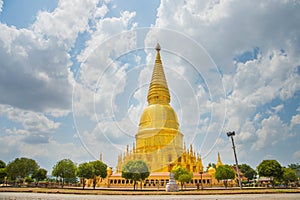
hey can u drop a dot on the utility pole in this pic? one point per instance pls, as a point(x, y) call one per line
point(231, 134)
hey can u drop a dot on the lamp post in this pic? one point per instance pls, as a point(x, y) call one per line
point(201, 172)
point(231, 134)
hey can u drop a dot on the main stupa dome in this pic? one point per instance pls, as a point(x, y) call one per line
point(158, 116)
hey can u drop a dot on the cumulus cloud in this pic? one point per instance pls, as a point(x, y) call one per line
point(102, 74)
point(227, 28)
point(68, 20)
point(1, 4)
point(34, 128)
point(36, 74)
point(296, 155)
point(272, 131)
point(295, 120)
point(32, 70)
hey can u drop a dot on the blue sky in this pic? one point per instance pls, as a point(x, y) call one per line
point(75, 74)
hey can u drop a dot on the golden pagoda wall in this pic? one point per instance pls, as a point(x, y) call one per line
point(164, 159)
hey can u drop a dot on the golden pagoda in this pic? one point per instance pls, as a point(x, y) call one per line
point(159, 141)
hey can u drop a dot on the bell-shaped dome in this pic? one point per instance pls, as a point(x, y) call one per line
point(158, 116)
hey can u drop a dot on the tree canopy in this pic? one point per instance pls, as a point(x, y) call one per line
point(296, 168)
point(3, 172)
point(21, 167)
point(84, 171)
point(248, 171)
point(39, 175)
point(136, 170)
point(224, 172)
point(289, 175)
point(64, 169)
point(2, 164)
point(270, 168)
point(99, 169)
point(182, 175)
point(93, 169)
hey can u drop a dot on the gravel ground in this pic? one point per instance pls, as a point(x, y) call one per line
point(35, 196)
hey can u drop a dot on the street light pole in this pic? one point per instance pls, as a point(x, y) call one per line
point(231, 134)
point(201, 172)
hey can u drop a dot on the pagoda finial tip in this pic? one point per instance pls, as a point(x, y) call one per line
point(157, 47)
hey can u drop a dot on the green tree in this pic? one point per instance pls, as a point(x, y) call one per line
point(248, 171)
point(296, 168)
point(136, 170)
point(85, 171)
point(21, 168)
point(2, 164)
point(224, 172)
point(3, 172)
point(289, 175)
point(270, 168)
point(64, 169)
point(39, 175)
point(99, 169)
point(182, 175)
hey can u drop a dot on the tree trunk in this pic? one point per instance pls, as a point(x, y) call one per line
point(83, 183)
point(181, 186)
point(94, 182)
point(63, 182)
point(134, 185)
point(24, 181)
point(225, 184)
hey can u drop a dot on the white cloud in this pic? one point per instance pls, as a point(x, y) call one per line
point(295, 120)
point(66, 21)
point(272, 131)
point(100, 12)
point(296, 155)
point(278, 108)
point(229, 27)
point(36, 74)
point(1, 4)
point(34, 127)
point(33, 69)
point(102, 76)
point(45, 154)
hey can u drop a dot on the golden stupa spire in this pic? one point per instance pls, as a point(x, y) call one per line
point(219, 160)
point(158, 90)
